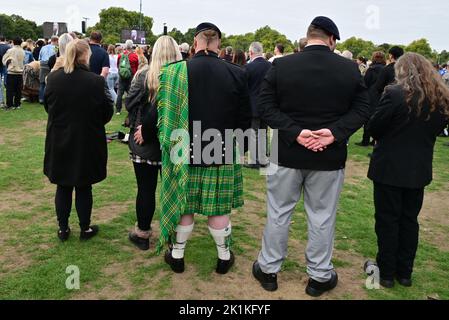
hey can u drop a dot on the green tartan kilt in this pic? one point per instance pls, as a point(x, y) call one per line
point(214, 191)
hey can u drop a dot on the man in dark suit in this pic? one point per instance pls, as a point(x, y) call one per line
point(218, 101)
point(256, 71)
point(316, 100)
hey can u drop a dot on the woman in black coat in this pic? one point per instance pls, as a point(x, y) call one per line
point(145, 149)
point(78, 106)
point(405, 125)
point(371, 76)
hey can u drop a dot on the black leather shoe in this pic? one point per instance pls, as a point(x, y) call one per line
point(141, 243)
point(268, 281)
point(387, 283)
point(89, 233)
point(316, 289)
point(64, 235)
point(177, 265)
point(223, 266)
point(405, 282)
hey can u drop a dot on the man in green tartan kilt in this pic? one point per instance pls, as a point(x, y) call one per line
point(201, 96)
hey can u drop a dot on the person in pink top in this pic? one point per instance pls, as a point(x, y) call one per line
point(125, 82)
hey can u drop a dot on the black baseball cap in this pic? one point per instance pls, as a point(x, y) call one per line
point(207, 26)
point(327, 25)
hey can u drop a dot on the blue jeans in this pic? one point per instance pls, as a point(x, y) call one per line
point(3, 74)
point(112, 81)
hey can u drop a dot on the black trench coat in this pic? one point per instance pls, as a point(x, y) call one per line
point(78, 106)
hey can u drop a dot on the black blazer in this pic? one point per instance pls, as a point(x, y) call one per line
point(256, 71)
point(142, 112)
point(218, 97)
point(314, 89)
point(371, 77)
point(403, 154)
point(78, 105)
point(386, 77)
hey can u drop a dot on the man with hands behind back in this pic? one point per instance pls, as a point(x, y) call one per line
point(317, 100)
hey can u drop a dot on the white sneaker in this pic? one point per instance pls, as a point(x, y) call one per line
point(118, 113)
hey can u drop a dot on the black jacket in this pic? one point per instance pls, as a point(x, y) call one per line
point(218, 98)
point(403, 154)
point(371, 77)
point(143, 112)
point(315, 89)
point(256, 71)
point(78, 105)
point(386, 77)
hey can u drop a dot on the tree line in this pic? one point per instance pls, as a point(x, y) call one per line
point(113, 20)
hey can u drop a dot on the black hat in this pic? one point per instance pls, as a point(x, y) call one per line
point(327, 25)
point(207, 26)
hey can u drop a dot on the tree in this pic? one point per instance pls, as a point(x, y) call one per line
point(270, 37)
point(241, 42)
point(422, 47)
point(358, 47)
point(16, 26)
point(113, 20)
point(177, 35)
point(443, 57)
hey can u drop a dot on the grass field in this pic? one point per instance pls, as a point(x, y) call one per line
point(33, 262)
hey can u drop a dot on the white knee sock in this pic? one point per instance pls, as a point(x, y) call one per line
point(222, 238)
point(183, 234)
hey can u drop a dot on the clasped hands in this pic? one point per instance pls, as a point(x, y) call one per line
point(138, 138)
point(316, 141)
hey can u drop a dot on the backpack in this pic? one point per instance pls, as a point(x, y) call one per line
point(125, 70)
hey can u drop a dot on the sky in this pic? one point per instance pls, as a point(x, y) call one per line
point(381, 21)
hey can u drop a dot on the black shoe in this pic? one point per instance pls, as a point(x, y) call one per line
point(362, 144)
point(316, 289)
point(405, 282)
point(177, 265)
point(64, 235)
point(223, 266)
point(141, 243)
point(268, 281)
point(369, 270)
point(89, 233)
point(387, 283)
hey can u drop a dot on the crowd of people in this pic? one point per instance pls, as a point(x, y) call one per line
point(316, 99)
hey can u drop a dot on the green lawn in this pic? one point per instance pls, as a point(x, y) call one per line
point(33, 262)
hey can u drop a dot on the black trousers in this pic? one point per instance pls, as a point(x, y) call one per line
point(123, 87)
point(146, 176)
point(397, 229)
point(83, 204)
point(14, 85)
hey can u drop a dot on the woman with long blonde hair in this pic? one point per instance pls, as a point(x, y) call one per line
point(143, 61)
point(144, 143)
point(405, 125)
point(78, 105)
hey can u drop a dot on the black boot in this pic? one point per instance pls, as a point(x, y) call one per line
point(316, 289)
point(223, 266)
point(89, 233)
point(64, 235)
point(405, 282)
point(268, 281)
point(177, 265)
point(141, 243)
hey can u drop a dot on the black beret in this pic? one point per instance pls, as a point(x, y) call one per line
point(327, 25)
point(207, 26)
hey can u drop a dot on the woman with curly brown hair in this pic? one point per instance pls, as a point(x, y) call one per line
point(406, 123)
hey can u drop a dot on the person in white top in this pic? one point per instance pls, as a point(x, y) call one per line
point(278, 52)
point(113, 77)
